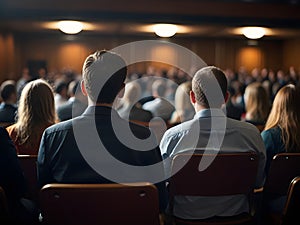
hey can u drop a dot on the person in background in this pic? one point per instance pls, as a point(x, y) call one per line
point(130, 108)
point(35, 113)
point(184, 110)
point(282, 132)
point(8, 107)
point(257, 105)
point(25, 78)
point(75, 105)
point(229, 136)
point(232, 110)
point(159, 107)
point(60, 93)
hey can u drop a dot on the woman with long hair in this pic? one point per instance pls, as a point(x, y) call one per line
point(36, 111)
point(281, 134)
point(257, 105)
point(282, 129)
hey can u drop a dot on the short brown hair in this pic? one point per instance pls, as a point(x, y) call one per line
point(104, 73)
point(206, 85)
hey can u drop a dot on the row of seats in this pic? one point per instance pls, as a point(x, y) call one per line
point(138, 203)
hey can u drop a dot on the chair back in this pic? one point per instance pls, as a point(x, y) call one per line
point(291, 211)
point(228, 174)
point(283, 169)
point(114, 204)
point(28, 164)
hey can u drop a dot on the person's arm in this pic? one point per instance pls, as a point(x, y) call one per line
point(43, 171)
point(271, 147)
point(11, 175)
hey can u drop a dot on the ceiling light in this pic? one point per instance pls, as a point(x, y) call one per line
point(70, 27)
point(165, 30)
point(254, 32)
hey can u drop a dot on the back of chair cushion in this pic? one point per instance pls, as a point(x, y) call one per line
point(80, 204)
point(228, 174)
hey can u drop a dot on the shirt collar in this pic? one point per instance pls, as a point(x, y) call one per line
point(209, 113)
point(100, 110)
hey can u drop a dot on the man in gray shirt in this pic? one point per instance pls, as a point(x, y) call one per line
point(211, 131)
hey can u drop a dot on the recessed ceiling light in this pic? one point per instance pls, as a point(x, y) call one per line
point(165, 30)
point(254, 32)
point(70, 26)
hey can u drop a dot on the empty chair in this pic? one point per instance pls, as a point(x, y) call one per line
point(228, 174)
point(113, 204)
point(290, 215)
point(29, 167)
point(283, 169)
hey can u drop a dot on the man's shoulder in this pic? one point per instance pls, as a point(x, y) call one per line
point(241, 125)
point(60, 127)
point(181, 128)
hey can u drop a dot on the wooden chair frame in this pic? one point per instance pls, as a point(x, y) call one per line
point(290, 213)
point(114, 204)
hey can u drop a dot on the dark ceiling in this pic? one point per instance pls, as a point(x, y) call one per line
point(231, 13)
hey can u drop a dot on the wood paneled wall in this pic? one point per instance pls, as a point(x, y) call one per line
point(61, 51)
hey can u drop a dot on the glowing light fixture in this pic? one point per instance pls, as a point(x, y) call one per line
point(254, 32)
point(70, 26)
point(165, 30)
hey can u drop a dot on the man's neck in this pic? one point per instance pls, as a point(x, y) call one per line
point(198, 107)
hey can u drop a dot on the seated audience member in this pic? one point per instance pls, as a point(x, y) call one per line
point(90, 148)
point(232, 111)
point(130, 108)
point(238, 137)
point(60, 93)
point(282, 131)
point(75, 105)
point(159, 107)
point(13, 183)
point(35, 113)
point(25, 78)
point(8, 107)
point(184, 110)
point(237, 97)
point(257, 105)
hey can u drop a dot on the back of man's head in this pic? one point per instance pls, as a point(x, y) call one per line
point(7, 89)
point(104, 73)
point(210, 87)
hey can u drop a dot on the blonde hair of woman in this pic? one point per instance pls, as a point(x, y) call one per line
point(257, 103)
point(184, 110)
point(36, 111)
point(285, 114)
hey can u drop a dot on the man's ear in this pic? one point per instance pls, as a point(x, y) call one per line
point(122, 91)
point(227, 95)
point(192, 97)
point(83, 90)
